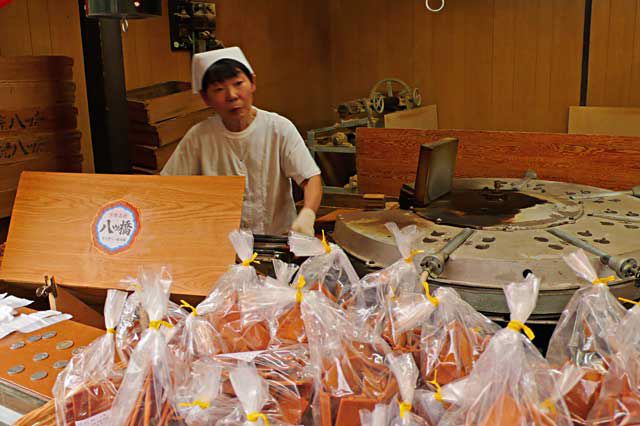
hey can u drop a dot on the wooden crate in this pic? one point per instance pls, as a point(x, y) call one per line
point(165, 132)
point(152, 157)
point(162, 102)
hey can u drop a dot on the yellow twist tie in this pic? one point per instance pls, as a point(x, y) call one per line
point(604, 281)
point(549, 406)
point(248, 262)
point(433, 300)
point(411, 256)
point(111, 330)
point(434, 382)
point(255, 416)
point(299, 287)
point(325, 244)
point(196, 403)
point(184, 304)
point(622, 299)
point(155, 324)
point(518, 326)
point(405, 407)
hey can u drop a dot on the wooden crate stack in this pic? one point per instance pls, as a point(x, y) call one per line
point(159, 116)
point(38, 125)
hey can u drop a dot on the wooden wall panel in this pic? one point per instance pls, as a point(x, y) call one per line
point(385, 162)
point(487, 64)
point(50, 27)
point(286, 42)
point(614, 59)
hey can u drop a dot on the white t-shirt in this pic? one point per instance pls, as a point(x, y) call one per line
point(270, 152)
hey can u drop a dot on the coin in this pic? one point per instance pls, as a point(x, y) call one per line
point(49, 335)
point(16, 369)
point(17, 345)
point(38, 375)
point(40, 356)
point(65, 344)
point(34, 338)
point(60, 364)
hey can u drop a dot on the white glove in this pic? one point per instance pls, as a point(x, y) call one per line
point(304, 222)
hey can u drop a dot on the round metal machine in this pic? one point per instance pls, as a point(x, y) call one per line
point(511, 227)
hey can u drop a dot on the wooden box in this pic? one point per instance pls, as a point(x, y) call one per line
point(152, 157)
point(92, 231)
point(163, 101)
point(165, 132)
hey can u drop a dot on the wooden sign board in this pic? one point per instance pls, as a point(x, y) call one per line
point(91, 231)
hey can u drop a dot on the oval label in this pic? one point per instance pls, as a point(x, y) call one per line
point(116, 227)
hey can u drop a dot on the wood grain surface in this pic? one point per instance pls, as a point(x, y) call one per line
point(79, 334)
point(168, 131)
point(49, 27)
point(387, 158)
point(618, 121)
point(185, 221)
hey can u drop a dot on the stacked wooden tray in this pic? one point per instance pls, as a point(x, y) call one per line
point(159, 116)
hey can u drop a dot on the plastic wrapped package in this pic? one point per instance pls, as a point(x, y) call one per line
point(431, 405)
point(404, 274)
point(618, 402)
point(85, 389)
point(348, 363)
point(413, 407)
point(328, 268)
point(134, 319)
point(398, 285)
point(200, 401)
point(277, 303)
point(511, 383)
point(256, 403)
point(379, 416)
point(216, 324)
point(406, 373)
point(584, 336)
point(453, 337)
point(146, 392)
point(286, 372)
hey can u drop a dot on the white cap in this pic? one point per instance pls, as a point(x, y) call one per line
point(202, 61)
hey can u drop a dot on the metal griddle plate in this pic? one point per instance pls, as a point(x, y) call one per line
point(508, 240)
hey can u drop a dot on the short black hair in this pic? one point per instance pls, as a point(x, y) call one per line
point(222, 70)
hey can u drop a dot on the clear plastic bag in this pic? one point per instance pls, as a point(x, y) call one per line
point(286, 372)
point(431, 405)
point(88, 384)
point(147, 389)
point(618, 401)
point(200, 401)
point(584, 336)
point(348, 363)
point(278, 304)
point(406, 373)
point(453, 337)
point(134, 319)
point(217, 325)
point(511, 383)
point(393, 290)
point(379, 416)
point(252, 391)
point(328, 268)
